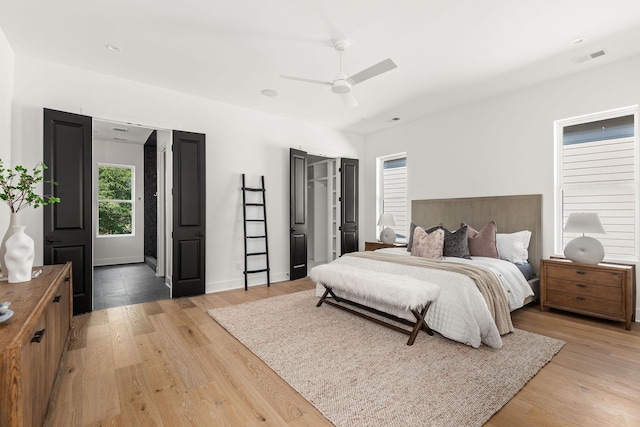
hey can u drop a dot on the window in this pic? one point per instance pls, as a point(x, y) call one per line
point(115, 200)
point(598, 172)
point(392, 191)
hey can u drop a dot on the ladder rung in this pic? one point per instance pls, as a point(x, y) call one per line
point(252, 189)
point(256, 237)
point(254, 204)
point(257, 271)
point(256, 253)
point(255, 220)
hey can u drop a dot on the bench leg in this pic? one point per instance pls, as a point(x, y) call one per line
point(327, 291)
point(420, 324)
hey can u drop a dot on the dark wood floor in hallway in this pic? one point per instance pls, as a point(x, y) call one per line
point(118, 285)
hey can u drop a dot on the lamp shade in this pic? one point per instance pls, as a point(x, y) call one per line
point(387, 220)
point(584, 222)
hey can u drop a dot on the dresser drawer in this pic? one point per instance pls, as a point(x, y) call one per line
point(584, 275)
point(584, 303)
point(584, 289)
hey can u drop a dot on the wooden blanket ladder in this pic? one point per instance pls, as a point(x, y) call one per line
point(258, 234)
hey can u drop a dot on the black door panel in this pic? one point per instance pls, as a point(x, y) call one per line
point(188, 214)
point(349, 206)
point(298, 207)
point(67, 225)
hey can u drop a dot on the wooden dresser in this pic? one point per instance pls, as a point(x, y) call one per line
point(603, 290)
point(32, 343)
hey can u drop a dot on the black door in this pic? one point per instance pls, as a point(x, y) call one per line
point(298, 208)
point(349, 206)
point(67, 225)
point(188, 276)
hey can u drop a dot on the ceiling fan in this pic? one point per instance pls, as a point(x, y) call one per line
point(342, 84)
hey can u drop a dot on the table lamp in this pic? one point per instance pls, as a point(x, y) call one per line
point(387, 235)
point(584, 249)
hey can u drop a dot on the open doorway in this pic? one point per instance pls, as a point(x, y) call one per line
point(323, 192)
point(129, 220)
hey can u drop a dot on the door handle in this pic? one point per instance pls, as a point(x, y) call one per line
point(51, 240)
point(199, 234)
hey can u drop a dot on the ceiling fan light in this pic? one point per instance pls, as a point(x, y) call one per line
point(341, 86)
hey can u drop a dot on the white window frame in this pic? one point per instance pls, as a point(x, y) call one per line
point(380, 188)
point(132, 201)
point(559, 125)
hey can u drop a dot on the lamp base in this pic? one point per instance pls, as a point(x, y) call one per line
point(585, 250)
point(388, 236)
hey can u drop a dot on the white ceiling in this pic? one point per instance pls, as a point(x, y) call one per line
point(448, 53)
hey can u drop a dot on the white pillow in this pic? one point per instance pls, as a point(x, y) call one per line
point(514, 247)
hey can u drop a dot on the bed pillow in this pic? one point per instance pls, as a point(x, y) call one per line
point(456, 243)
point(428, 245)
point(412, 229)
point(514, 247)
point(483, 242)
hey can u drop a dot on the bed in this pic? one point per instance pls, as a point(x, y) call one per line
point(461, 312)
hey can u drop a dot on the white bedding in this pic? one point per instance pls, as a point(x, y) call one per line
point(460, 311)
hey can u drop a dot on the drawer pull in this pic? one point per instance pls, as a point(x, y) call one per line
point(37, 337)
point(580, 272)
point(580, 285)
point(57, 298)
point(580, 298)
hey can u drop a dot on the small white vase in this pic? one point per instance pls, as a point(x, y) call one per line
point(18, 259)
point(3, 246)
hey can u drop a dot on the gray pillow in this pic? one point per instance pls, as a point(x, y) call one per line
point(456, 243)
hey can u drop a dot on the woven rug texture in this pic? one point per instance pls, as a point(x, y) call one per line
point(358, 373)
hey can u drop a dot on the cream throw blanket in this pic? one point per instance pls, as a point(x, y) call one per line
point(487, 282)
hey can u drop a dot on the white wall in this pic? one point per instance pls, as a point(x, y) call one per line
point(109, 250)
point(500, 146)
point(238, 141)
point(6, 97)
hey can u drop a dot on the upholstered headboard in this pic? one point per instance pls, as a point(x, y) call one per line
point(511, 213)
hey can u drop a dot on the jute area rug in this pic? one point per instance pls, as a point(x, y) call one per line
point(358, 373)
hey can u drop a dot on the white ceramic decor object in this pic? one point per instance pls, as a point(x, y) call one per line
point(18, 259)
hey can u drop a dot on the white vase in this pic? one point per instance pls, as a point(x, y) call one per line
point(18, 259)
point(13, 220)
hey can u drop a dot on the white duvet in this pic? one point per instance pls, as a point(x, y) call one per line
point(460, 311)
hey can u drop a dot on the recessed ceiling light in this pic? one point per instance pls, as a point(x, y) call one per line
point(578, 40)
point(112, 47)
point(269, 92)
point(395, 119)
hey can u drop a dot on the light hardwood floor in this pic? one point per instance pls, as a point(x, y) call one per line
point(167, 363)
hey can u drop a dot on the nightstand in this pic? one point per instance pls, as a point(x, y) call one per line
point(372, 246)
point(604, 290)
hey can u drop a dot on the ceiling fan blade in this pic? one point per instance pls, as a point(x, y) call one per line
point(349, 100)
point(374, 70)
point(305, 80)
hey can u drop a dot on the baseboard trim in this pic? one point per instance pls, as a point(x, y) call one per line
point(115, 261)
point(257, 279)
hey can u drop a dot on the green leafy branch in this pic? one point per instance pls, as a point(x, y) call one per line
point(17, 187)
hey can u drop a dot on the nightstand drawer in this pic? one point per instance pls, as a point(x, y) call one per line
point(584, 303)
point(584, 289)
point(584, 275)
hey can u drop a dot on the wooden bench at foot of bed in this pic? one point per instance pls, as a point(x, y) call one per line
point(398, 291)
